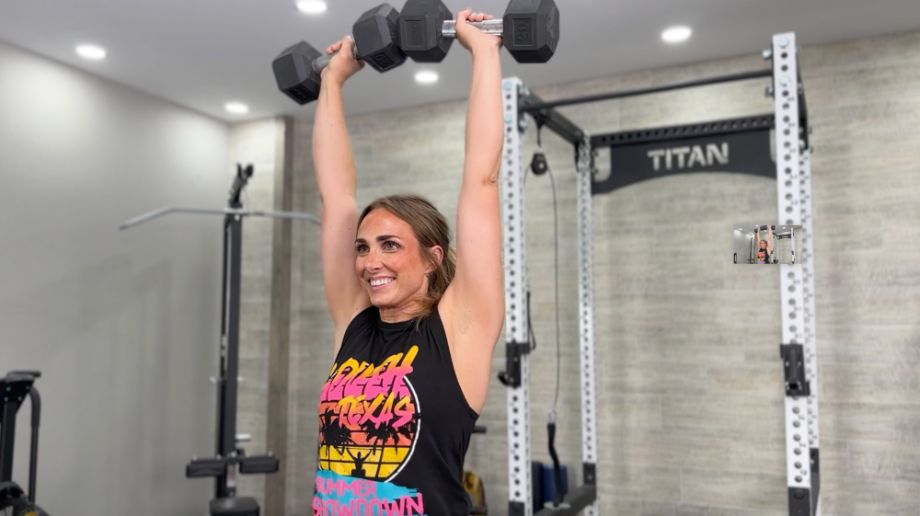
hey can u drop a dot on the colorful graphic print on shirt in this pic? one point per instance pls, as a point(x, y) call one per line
point(369, 419)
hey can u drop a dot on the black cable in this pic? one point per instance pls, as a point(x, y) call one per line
point(530, 334)
point(551, 425)
point(539, 166)
point(556, 289)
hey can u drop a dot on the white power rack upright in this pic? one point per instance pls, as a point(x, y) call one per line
point(518, 343)
point(797, 286)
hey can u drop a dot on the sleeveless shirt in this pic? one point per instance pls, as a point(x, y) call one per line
point(394, 423)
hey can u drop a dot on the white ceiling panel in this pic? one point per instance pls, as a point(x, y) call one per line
point(203, 53)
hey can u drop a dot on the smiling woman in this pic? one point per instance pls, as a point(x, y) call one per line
point(404, 233)
point(415, 324)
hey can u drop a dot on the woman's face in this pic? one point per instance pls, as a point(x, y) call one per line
point(389, 261)
point(763, 244)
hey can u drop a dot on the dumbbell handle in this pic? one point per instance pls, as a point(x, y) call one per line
point(494, 27)
point(323, 61)
point(448, 30)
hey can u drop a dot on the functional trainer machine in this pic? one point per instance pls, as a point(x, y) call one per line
point(230, 458)
point(789, 121)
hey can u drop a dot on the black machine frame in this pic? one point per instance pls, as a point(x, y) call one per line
point(230, 459)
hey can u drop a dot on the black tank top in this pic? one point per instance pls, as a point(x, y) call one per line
point(394, 423)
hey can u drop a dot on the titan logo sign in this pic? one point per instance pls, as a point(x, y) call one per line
point(688, 157)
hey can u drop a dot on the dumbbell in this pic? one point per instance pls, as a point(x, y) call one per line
point(426, 28)
point(529, 30)
point(297, 69)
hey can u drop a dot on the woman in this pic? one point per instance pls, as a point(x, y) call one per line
point(415, 326)
point(765, 247)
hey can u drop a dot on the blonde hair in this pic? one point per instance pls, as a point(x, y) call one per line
point(430, 229)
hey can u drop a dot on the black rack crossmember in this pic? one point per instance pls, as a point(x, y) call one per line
point(713, 128)
point(575, 502)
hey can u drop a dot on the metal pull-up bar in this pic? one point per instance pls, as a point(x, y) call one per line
point(161, 212)
point(544, 113)
point(530, 107)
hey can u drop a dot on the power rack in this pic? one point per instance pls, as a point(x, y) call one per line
point(789, 122)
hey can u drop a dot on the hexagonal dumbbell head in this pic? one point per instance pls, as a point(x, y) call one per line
point(531, 30)
point(420, 30)
point(376, 38)
point(295, 75)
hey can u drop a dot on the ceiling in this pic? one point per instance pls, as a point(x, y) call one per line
point(203, 53)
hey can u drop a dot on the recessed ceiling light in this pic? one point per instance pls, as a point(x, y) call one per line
point(91, 52)
point(311, 6)
point(426, 77)
point(676, 34)
point(236, 108)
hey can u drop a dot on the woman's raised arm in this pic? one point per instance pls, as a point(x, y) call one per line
point(474, 305)
point(334, 167)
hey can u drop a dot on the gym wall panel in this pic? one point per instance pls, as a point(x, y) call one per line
point(311, 336)
point(690, 388)
point(123, 325)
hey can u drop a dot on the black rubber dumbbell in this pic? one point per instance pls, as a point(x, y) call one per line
point(529, 30)
point(298, 68)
